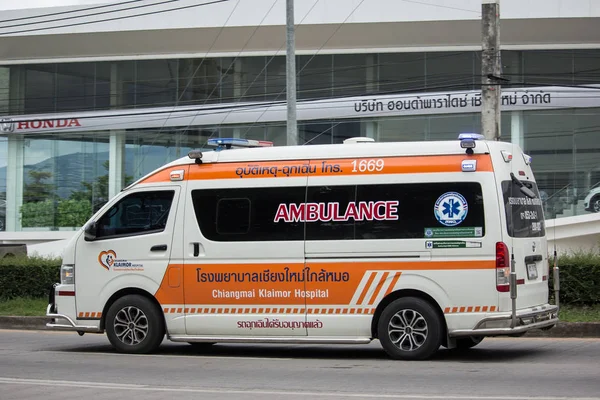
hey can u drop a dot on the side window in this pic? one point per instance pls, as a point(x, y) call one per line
point(233, 216)
point(424, 210)
point(247, 214)
point(138, 213)
point(331, 222)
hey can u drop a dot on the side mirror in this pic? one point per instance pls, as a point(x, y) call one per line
point(90, 231)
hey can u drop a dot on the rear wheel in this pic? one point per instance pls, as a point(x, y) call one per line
point(410, 329)
point(135, 325)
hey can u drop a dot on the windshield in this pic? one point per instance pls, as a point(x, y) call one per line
point(524, 215)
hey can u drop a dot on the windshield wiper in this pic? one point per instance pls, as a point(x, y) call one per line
point(525, 190)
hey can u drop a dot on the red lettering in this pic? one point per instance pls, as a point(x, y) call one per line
point(23, 125)
point(378, 211)
point(312, 212)
point(74, 122)
point(351, 212)
point(48, 124)
point(365, 210)
point(335, 212)
point(62, 123)
point(326, 211)
point(296, 213)
point(36, 124)
point(282, 213)
point(391, 208)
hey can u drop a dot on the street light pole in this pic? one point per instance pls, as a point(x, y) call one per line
point(292, 126)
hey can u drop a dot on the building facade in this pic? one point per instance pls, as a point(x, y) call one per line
point(94, 96)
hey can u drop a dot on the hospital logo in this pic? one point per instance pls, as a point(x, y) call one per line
point(451, 209)
point(107, 259)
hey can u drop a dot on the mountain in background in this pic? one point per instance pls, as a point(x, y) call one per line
point(70, 170)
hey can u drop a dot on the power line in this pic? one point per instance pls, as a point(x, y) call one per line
point(68, 12)
point(91, 14)
point(117, 18)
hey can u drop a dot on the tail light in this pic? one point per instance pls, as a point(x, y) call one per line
point(502, 268)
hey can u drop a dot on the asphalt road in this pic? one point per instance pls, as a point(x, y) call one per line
point(55, 365)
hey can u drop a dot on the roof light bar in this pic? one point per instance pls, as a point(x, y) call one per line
point(236, 142)
point(467, 141)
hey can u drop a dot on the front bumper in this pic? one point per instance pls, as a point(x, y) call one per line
point(539, 317)
point(67, 324)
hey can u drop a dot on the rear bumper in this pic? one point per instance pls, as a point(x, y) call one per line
point(539, 317)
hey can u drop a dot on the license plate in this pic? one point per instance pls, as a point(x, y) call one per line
point(532, 271)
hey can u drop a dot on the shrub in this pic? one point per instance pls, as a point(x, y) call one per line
point(579, 278)
point(28, 276)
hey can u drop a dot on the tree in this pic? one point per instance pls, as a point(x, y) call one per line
point(37, 190)
point(96, 192)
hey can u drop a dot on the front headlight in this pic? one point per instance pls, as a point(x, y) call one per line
point(67, 274)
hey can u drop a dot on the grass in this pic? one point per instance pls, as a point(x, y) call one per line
point(37, 307)
point(580, 313)
point(24, 307)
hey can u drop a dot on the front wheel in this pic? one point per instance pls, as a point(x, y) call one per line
point(134, 325)
point(410, 329)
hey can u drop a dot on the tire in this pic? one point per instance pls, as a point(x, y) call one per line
point(423, 338)
point(595, 204)
point(466, 343)
point(148, 320)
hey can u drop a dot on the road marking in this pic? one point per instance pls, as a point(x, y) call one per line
point(195, 356)
point(280, 393)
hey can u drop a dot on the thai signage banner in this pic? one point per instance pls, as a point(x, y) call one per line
point(377, 106)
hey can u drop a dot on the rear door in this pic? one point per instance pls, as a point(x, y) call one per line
point(525, 233)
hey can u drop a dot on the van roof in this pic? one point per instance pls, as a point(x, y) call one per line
point(328, 151)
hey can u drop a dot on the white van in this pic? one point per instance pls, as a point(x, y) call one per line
point(408, 243)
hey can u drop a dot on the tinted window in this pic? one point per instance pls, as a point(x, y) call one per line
point(341, 212)
point(233, 216)
point(398, 211)
point(138, 213)
point(247, 214)
point(524, 215)
point(332, 201)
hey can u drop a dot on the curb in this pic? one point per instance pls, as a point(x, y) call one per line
point(562, 330)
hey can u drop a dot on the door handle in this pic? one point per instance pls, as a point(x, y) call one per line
point(159, 247)
point(196, 249)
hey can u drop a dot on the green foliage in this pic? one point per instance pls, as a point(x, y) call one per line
point(73, 212)
point(24, 306)
point(29, 277)
point(579, 278)
point(37, 214)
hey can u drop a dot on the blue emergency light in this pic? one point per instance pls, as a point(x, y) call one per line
point(467, 141)
point(228, 143)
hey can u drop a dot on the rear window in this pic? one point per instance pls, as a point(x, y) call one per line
point(524, 215)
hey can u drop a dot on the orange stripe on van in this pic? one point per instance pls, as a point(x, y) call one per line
point(378, 288)
point(367, 287)
point(393, 284)
point(321, 167)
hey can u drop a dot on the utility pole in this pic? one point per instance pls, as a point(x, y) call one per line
point(292, 126)
point(491, 69)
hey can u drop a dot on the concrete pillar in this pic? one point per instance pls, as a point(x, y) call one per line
point(371, 74)
point(14, 182)
point(517, 134)
point(116, 163)
point(371, 129)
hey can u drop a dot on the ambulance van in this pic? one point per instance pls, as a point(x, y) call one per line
point(415, 244)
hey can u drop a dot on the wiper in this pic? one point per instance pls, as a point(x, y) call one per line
point(525, 190)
